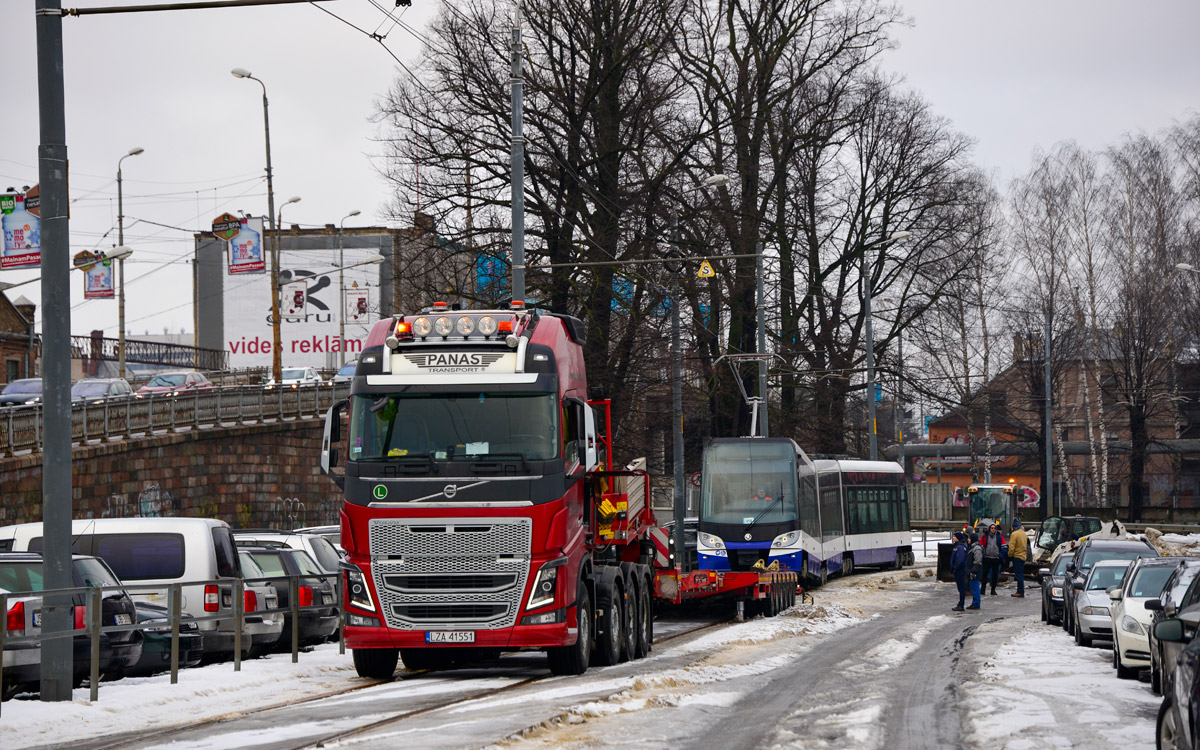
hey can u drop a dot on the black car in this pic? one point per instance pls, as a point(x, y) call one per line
point(23, 572)
point(1182, 590)
point(1053, 583)
point(100, 389)
point(315, 589)
point(1180, 709)
point(156, 641)
point(24, 391)
point(1086, 555)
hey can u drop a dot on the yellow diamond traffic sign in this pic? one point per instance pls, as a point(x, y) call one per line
point(706, 271)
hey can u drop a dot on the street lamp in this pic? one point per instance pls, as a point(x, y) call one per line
point(866, 280)
point(277, 345)
point(342, 289)
point(121, 265)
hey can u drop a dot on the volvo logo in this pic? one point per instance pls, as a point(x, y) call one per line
point(451, 490)
point(748, 537)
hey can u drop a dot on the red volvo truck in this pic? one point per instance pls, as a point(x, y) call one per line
point(481, 510)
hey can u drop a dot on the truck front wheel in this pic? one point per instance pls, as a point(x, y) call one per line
point(573, 660)
point(375, 663)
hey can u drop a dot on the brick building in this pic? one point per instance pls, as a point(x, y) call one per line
point(19, 344)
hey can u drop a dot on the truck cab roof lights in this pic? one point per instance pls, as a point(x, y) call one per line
point(518, 304)
point(439, 305)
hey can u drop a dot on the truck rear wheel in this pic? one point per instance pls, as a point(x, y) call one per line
point(632, 619)
point(573, 660)
point(375, 663)
point(608, 624)
point(645, 621)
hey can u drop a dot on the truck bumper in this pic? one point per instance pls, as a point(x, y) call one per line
point(517, 637)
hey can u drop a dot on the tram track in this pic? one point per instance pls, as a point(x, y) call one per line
point(158, 737)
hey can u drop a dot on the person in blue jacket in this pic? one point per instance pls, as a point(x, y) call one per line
point(974, 569)
point(958, 566)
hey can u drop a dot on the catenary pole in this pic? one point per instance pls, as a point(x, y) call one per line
point(765, 429)
point(1048, 487)
point(518, 166)
point(57, 653)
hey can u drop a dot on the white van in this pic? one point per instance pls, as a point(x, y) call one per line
point(147, 551)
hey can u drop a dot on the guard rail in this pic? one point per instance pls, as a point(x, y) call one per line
point(21, 427)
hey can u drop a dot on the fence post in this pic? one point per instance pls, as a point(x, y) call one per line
point(149, 414)
point(196, 410)
point(262, 414)
point(241, 417)
point(107, 437)
point(11, 451)
point(173, 400)
point(3, 630)
point(294, 604)
point(279, 388)
point(239, 619)
point(94, 626)
point(37, 426)
point(217, 417)
point(128, 407)
point(174, 594)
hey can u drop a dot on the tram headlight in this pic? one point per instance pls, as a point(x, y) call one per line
point(786, 540)
point(712, 541)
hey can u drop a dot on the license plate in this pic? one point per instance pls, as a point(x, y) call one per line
point(327, 598)
point(451, 636)
point(37, 619)
point(124, 619)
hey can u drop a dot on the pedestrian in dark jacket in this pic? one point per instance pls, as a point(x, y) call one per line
point(975, 568)
point(958, 566)
point(993, 557)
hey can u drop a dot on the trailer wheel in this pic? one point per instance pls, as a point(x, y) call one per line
point(573, 660)
point(632, 618)
point(645, 633)
point(608, 623)
point(375, 663)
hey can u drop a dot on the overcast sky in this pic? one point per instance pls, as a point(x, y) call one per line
point(1015, 76)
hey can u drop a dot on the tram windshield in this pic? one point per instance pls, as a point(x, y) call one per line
point(749, 482)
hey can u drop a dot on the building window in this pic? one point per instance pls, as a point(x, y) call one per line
point(12, 370)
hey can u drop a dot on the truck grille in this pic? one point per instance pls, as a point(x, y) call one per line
point(461, 573)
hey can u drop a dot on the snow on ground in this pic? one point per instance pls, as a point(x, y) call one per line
point(1037, 690)
point(201, 693)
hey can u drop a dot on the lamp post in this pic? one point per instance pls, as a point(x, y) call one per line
point(866, 280)
point(342, 289)
point(121, 265)
point(277, 358)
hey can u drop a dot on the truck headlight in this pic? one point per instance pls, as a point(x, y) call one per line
point(545, 584)
point(356, 588)
point(712, 541)
point(1130, 625)
point(786, 540)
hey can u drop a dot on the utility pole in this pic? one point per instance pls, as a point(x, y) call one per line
point(57, 653)
point(765, 431)
point(1048, 486)
point(518, 166)
point(677, 430)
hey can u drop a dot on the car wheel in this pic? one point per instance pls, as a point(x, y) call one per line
point(1166, 733)
point(1044, 617)
point(1123, 672)
point(1080, 638)
point(1155, 674)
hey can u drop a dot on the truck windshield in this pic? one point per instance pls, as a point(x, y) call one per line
point(454, 426)
point(749, 482)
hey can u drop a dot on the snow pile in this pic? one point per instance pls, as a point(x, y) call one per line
point(1173, 545)
point(1040, 691)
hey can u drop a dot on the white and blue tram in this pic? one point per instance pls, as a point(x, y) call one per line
point(764, 499)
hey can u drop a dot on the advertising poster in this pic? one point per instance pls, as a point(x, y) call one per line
point(358, 305)
point(246, 248)
point(293, 302)
point(311, 339)
point(98, 280)
point(22, 233)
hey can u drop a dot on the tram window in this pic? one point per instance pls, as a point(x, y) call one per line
point(887, 521)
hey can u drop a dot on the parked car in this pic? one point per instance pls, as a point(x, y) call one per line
point(1176, 725)
point(173, 383)
point(1086, 554)
point(295, 377)
point(1092, 616)
point(24, 391)
point(331, 533)
point(1145, 580)
point(1052, 588)
point(1181, 592)
point(195, 552)
point(315, 589)
point(99, 389)
point(346, 372)
point(24, 572)
point(156, 641)
point(316, 545)
point(264, 621)
point(21, 661)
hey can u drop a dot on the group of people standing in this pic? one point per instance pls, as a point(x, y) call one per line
point(976, 562)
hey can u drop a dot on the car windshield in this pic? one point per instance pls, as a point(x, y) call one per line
point(250, 567)
point(1105, 578)
point(32, 385)
point(306, 564)
point(1182, 582)
point(991, 502)
point(269, 562)
point(167, 380)
point(1060, 565)
point(1096, 554)
point(89, 388)
point(1149, 582)
point(294, 374)
point(326, 555)
point(455, 426)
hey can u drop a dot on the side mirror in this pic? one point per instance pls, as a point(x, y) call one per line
point(330, 442)
point(1115, 594)
point(1043, 572)
point(1071, 567)
point(1077, 585)
point(1170, 631)
point(1154, 605)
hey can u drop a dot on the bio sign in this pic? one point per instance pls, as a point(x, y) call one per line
point(22, 233)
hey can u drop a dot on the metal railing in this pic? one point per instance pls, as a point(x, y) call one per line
point(100, 348)
point(94, 610)
point(21, 427)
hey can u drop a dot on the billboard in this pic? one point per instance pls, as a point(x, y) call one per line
point(97, 275)
point(245, 246)
point(309, 336)
point(358, 305)
point(22, 231)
